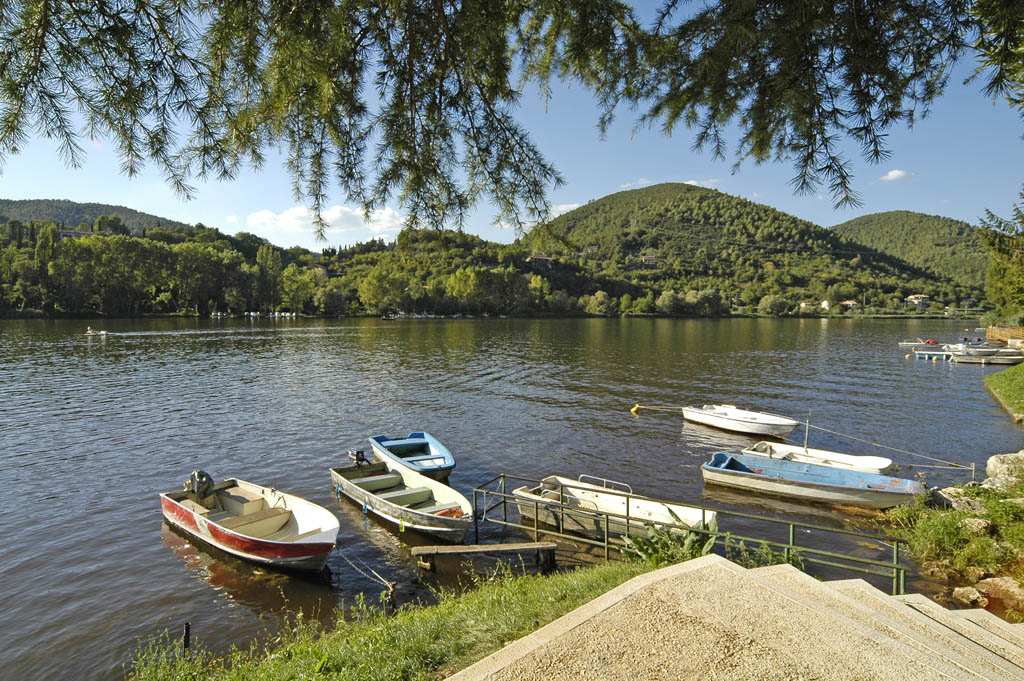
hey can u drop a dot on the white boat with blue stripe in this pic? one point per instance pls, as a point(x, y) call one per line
point(418, 451)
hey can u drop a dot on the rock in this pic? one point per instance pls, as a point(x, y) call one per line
point(1006, 466)
point(970, 505)
point(1000, 483)
point(970, 597)
point(935, 569)
point(1015, 502)
point(1006, 589)
point(979, 527)
point(943, 498)
point(975, 573)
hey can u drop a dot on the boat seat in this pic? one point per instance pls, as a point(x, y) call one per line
point(438, 507)
point(285, 537)
point(249, 518)
point(377, 482)
point(422, 457)
point(407, 496)
point(195, 507)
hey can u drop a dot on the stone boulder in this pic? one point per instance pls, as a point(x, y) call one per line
point(978, 527)
point(1000, 483)
point(1006, 466)
point(1006, 589)
point(969, 597)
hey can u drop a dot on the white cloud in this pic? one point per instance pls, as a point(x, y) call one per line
point(893, 175)
point(642, 182)
point(231, 219)
point(709, 184)
point(295, 225)
point(563, 208)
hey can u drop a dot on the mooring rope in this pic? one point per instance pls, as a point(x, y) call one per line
point(375, 577)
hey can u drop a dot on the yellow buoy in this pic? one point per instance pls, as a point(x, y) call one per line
point(635, 411)
point(908, 356)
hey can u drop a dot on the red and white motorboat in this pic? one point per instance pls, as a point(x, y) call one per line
point(253, 522)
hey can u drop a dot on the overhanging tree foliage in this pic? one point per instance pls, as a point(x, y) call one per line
point(415, 99)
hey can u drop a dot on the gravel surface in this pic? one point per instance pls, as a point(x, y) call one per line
point(714, 623)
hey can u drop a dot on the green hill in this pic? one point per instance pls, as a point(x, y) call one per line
point(946, 247)
point(71, 214)
point(683, 237)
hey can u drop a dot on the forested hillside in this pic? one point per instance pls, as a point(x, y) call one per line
point(669, 249)
point(681, 237)
point(946, 247)
point(71, 214)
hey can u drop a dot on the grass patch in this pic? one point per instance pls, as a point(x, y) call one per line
point(1008, 387)
point(415, 643)
point(939, 535)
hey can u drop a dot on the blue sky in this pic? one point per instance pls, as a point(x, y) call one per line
point(965, 157)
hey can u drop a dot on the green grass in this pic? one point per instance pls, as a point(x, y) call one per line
point(418, 642)
point(935, 534)
point(1008, 386)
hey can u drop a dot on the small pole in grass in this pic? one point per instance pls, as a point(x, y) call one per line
point(185, 636)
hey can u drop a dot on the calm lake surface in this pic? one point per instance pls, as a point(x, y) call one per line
point(93, 428)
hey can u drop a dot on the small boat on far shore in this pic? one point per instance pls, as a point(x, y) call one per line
point(997, 358)
point(257, 523)
point(915, 342)
point(808, 481)
point(418, 451)
point(823, 457)
point(730, 417)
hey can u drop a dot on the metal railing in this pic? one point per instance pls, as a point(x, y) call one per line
point(608, 529)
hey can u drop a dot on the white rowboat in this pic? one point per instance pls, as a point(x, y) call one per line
point(730, 417)
point(822, 457)
point(586, 508)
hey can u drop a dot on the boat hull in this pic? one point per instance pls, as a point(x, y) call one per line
point(591, 510)
point(309, 555)
point(809, 482)
point(741, 420)
point(442, 527)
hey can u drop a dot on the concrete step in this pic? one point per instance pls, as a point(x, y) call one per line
point(983, 661)
point(929, 650)
point(976, 633)
point(995, 624)
point(708, 617)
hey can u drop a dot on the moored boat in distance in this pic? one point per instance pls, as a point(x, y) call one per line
point(418, 451)
point(254, 522)
point(808, 481)
point(822, 457)
point(587, 508)
point(915, 342)
point(997, 358)
point(730, 417)
point(406, 498)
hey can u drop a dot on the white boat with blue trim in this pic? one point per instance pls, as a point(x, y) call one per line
point(808, 481)
point(418, 451)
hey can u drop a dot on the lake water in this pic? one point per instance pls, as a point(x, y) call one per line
point(93, 428)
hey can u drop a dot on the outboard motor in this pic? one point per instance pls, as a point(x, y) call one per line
point(200, 484)
point(357, 456)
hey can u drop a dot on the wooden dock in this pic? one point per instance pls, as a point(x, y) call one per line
point(543, 551)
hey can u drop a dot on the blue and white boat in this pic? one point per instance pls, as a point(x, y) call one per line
point(418, 451)
point(808, 481)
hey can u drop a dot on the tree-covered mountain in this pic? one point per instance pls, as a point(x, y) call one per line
point(668, 249)
point(71, 214)
point(687, 238)
point(947, 247)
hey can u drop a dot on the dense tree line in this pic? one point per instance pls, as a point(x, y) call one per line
point(668, 249)
point(944, 246)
